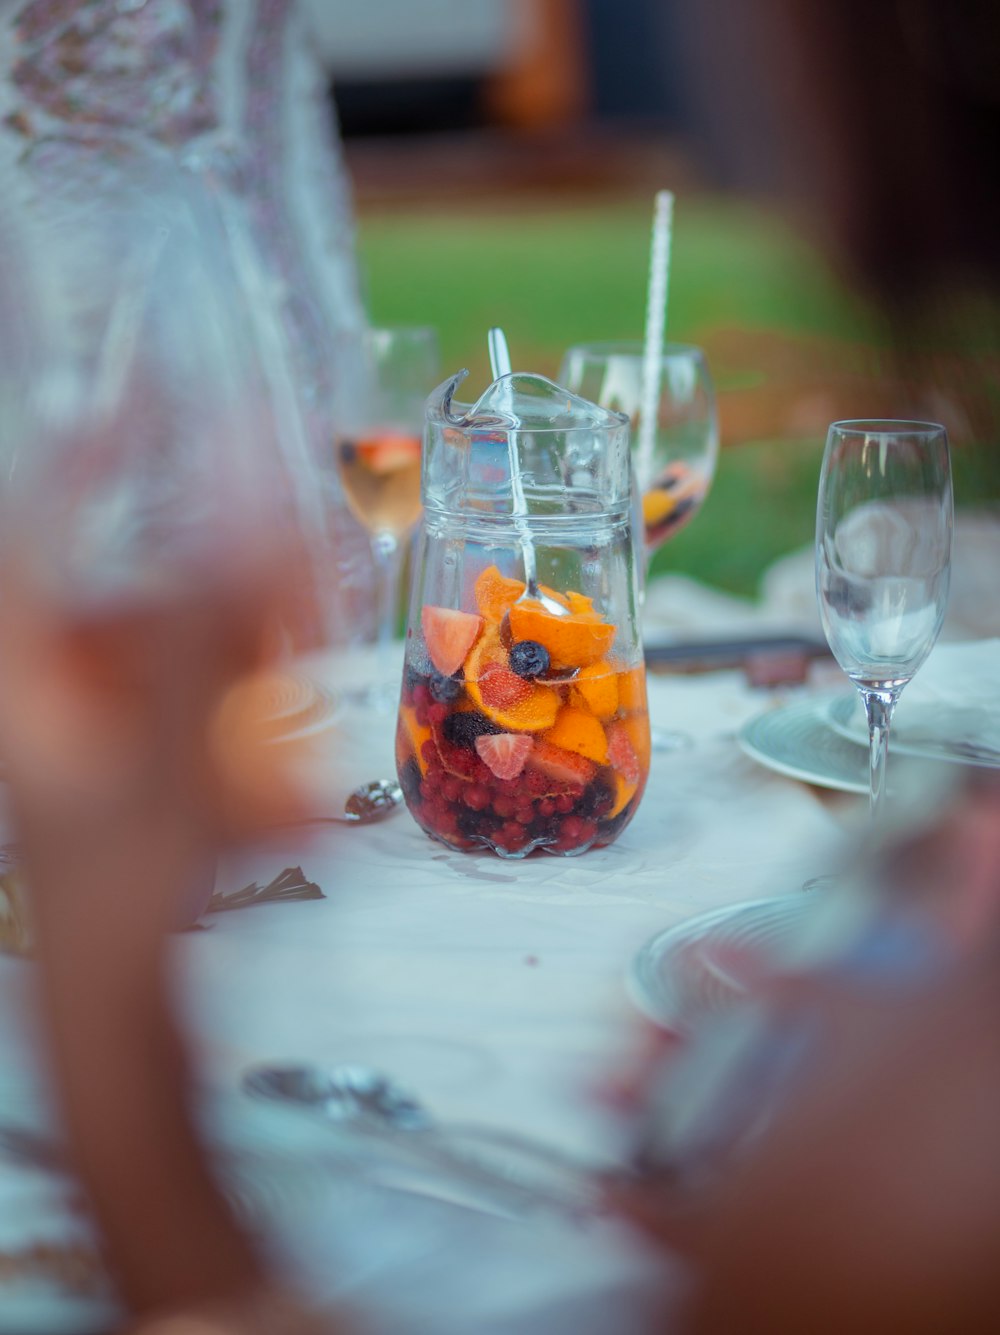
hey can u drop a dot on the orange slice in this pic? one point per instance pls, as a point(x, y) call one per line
point(596, 688)
point(535, 711)
point(496, 593)
point(416, 733)
point(577, 730)
point(624, 792)
point(579, 602)
point(636, 726)
point(576, 640)
point(632, 688)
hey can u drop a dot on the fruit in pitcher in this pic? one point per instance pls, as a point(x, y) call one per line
point(561, 765)
point(577, 730)
point(449, 635)
point(512, 703)
point(516, 730)
point(495, 594)
point(504, 753)
point(596, 688)
point(528, 658)
point(575, 640)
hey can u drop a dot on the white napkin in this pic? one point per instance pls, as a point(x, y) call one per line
point(953, 703)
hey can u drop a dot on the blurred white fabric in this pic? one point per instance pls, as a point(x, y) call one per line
point(678, 607)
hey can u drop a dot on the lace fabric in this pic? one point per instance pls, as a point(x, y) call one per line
point(231, 94)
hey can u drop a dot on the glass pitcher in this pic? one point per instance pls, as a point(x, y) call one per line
point(522, 719)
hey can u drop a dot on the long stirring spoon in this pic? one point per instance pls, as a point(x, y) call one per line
point(500, 365)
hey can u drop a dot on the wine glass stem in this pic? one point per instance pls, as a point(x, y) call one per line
point(879, 704)
point(387, 553)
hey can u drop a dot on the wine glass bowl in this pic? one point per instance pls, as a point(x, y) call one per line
point(672, 466)
point(378, 454)
point(883, 554)
point(673, 471)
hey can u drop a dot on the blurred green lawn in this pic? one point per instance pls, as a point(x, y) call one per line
point(557, 274)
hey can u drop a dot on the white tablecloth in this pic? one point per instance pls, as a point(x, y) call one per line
point(494, 988)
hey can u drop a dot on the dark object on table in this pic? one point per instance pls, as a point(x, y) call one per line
point(291, 884)
point(757, 654)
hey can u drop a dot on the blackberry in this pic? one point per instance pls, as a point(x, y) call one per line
point(463, 729)
point(445, 689)
point(409, 781)
point(477, 824)
point(597, 801)
point(528, 658)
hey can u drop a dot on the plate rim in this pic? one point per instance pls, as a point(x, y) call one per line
point(814, 707)
point(685, 929)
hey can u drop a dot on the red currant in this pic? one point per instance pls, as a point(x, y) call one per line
point(477, 797)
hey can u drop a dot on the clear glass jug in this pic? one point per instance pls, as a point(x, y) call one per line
point(523, 720)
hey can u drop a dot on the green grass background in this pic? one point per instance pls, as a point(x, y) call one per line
point(556, 274)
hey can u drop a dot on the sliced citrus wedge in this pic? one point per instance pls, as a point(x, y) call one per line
point(575, 640)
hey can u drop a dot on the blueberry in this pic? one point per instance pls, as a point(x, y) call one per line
point(528, 658)
point(445, 689)
point(463, 729)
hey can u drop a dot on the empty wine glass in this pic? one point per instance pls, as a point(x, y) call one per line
point(883, 554)
point(378, 451)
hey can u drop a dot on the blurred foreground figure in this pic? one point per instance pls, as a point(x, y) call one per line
point(160, 519)
point(842, 1170)
point(231, 96)
point(826, 1156)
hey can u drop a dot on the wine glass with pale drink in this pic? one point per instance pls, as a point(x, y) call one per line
point(378, 452)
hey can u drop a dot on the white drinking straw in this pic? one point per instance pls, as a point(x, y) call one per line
point(656, 319)
point(499, 355)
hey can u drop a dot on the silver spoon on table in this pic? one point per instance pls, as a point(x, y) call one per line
point(371, 802)
point(513, 1171)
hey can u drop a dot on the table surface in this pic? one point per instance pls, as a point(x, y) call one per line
point(495, 989)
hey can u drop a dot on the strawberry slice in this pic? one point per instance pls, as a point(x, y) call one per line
point(449, 635)
point(561, 765)
point(621, 754)
point(504, 752)
point(502, 689)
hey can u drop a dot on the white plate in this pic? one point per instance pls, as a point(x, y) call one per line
point(692, 970)
point(941, 732)
point(298, 706)
point(797, 740)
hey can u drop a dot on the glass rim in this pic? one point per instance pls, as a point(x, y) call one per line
point(440, 423)
point(630, 347)
point(887, 426)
